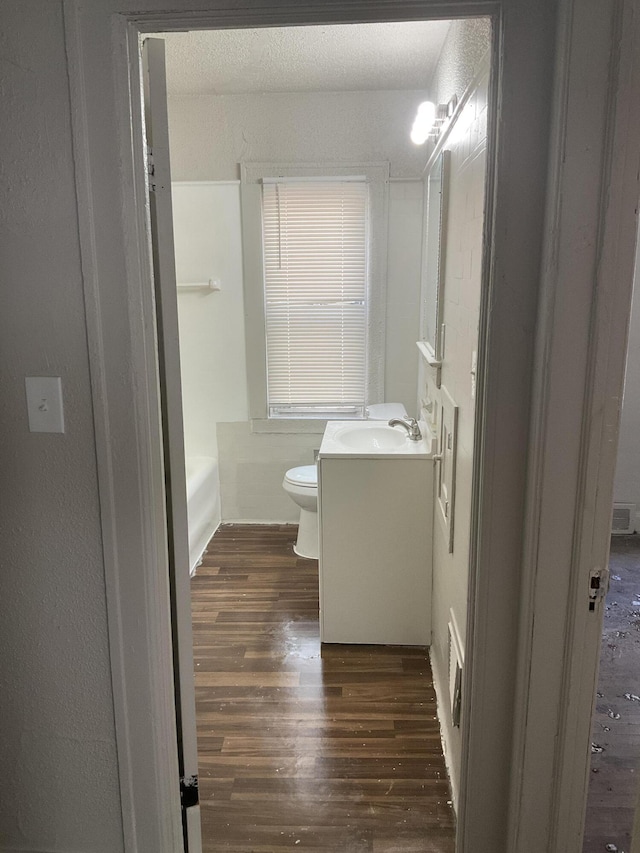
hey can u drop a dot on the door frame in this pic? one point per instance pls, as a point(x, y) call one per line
point(585, 306)
point(154, 108)
point(102, 44)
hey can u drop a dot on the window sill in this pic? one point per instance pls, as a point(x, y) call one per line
point(427, 354)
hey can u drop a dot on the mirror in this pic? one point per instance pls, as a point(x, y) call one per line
point(433, 259)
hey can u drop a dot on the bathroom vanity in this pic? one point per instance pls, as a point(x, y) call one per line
point(375, 503)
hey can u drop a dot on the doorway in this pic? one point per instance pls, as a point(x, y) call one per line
point(433, 371)
point(615, 756)
point(527, 64)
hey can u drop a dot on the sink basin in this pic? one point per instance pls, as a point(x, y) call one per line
point(374, 440)
point(371, 438)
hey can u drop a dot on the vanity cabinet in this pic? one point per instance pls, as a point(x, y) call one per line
point(375, 520)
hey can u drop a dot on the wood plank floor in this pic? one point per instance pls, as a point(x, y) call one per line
point(615, 730)
point(303, 748)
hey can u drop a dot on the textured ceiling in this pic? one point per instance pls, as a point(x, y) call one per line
point(347, 57)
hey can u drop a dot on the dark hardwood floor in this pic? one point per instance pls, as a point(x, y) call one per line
point(615, 765)
point(303, 748)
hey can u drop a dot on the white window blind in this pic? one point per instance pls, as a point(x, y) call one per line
point(315, 268)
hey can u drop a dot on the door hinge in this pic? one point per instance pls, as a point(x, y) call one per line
point(151, 170)
point(598, 586)
point(189, 795)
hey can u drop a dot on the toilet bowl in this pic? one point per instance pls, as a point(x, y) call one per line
point(301, 484)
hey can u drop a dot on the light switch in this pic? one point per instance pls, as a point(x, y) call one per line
point(44, 403)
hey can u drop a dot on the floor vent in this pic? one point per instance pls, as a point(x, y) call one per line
point(456, 661)
point(623, 518)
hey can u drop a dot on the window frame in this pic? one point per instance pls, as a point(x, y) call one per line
point(252, 175)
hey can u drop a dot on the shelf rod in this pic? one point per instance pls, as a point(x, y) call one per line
point(211, 285)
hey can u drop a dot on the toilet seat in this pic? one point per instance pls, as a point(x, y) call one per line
point(304, 476)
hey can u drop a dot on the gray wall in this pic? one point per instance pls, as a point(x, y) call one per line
point(59, 785)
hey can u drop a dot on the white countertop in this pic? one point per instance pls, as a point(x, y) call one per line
point(332, 447)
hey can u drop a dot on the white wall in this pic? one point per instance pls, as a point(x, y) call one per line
point(462, 53)
point(212, 355)
point(252, 467)
point(209, 137)
point(626, 488)
point(59, 786)
point(463, 257)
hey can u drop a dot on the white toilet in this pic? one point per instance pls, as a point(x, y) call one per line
point(301, 484)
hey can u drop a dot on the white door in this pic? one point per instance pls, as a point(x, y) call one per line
point(161, 218)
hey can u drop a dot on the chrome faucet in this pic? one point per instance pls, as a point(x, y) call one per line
point(411, 426)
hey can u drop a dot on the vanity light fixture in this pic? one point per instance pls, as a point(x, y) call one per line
point(430, 120)
point(424, 121)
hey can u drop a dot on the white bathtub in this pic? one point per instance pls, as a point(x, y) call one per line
point(203, 505)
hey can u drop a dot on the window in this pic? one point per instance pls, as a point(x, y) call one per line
point(314, 246)
point(316, 296)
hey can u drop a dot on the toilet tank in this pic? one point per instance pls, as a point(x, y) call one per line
point(386, 411)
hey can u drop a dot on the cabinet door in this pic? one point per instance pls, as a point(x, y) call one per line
point(376, 551)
